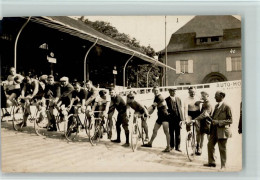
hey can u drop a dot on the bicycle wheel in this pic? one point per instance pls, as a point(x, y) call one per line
point(142, 135)
point(108, 129)
point(190, 146)
point(135, 136)
point(17, 118)
point(71, 128)
point(41, 126)
point(94, 133)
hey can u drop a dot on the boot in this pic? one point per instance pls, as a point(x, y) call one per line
point(118, 131)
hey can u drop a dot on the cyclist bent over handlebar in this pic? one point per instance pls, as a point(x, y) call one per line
point(32, 92)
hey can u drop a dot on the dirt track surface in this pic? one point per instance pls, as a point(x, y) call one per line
point(26, 152)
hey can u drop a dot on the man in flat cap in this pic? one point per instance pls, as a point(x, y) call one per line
point(65, 91)
point(175, 110)
point(220, 131)
point(203, 122)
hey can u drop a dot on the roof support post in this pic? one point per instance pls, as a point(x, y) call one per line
point(125, 68)
point(85, 62)
point(147, 76)
point(16, 41)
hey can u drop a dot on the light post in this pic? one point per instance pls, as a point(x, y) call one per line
point(16, 41)
point(147, 76)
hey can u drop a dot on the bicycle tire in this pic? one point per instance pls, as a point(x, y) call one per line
point(142, 135)
point(17, 119)
point(95, 133)
point(135, 136)
point(190, 146)
point(41, 126)
point(71, 128)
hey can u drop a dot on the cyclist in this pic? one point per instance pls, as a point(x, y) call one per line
point(65, 88)
point(140, 112)
point(102, 103)
point(52, 92)
point(78, 97)
point(32, 92)
point(92, 93)
point(163, 118)
point(13, 87)
point(119, 104)
point(64, 101)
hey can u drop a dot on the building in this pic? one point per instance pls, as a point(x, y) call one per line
point(206, 49)
point(60, 45)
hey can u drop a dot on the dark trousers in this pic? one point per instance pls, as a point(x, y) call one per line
point(122, 120)
point(222, 144)
point(174, 130)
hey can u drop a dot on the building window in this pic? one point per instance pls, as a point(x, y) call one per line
point(203, 40)
point(233, 64)
point(184, 66)
point(208, 40)
point(214, 39)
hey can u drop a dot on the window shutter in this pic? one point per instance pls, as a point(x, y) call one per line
point(190, 66)
point(178, 67)
point(228, 64)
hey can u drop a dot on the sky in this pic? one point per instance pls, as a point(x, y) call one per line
point(148, 30)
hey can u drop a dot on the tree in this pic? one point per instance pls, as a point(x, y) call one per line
point(107, 29)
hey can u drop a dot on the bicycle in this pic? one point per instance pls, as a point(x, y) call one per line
point(18, 117)
point(190, 142)
point(42, 124)
point(73, 125)
point(137, 133)
point(96, 133)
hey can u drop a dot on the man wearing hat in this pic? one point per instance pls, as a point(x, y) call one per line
point(65, 88)
point(175, 110)
point(203, 122)
point(220, 131)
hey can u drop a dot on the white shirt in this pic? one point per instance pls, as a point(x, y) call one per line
point(173, 98)
point(220, 104)
point(100, 101)
point(11, 84)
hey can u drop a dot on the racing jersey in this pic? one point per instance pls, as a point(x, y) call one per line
point(52, 90)
point(137, 107)
point(118, 103)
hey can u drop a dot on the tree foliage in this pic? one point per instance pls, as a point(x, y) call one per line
point(110, 31)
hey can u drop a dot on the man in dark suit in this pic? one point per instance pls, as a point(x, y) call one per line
point(175, 110)
point(220, 131)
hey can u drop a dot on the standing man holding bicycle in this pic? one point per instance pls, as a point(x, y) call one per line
point(119, 104)
point(176, 118)
point(192, 111)
point(163, 118)
point(140, 112)
point(203, 122)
